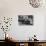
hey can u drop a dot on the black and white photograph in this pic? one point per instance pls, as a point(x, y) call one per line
point(25, 19)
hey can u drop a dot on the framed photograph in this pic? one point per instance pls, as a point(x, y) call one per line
point(25, 19)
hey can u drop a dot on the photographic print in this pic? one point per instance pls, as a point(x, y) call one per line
point(25, 19)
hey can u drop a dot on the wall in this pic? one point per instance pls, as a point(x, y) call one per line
point(13, 8)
